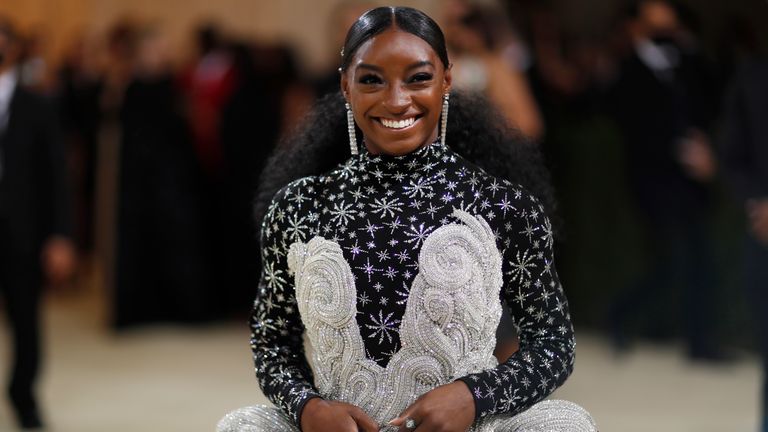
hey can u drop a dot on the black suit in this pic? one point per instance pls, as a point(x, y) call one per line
point(33, 206)
point(655, 110)
point(746, 162)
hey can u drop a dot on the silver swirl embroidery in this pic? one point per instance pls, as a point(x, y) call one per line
point(545, 416)
point(325, 280)
point(448, 329)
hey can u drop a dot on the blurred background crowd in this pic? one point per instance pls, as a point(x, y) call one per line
point(651, 114)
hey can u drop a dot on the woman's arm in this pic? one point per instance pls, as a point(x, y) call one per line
point(540, 313)
point(276, 328)
point(509, 90)
point(539, 310)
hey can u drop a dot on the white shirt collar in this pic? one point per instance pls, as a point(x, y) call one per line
point(661, 60)
point(8, 80)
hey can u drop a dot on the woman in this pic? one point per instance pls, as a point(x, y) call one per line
point(393, 262)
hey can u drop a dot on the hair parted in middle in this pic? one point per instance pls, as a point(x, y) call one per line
point(407, 19)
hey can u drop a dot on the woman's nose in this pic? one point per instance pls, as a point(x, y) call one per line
point(398, 99)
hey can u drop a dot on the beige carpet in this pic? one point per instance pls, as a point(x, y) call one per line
point(180, 379)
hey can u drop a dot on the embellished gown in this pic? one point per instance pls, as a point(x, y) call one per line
point(396, 267)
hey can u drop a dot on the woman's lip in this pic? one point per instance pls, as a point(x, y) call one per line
point(384, 120)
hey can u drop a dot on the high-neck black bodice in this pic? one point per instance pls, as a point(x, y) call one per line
point(380, 209)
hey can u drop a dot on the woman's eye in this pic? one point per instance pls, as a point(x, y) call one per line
point(420, 77)
point(370, 79)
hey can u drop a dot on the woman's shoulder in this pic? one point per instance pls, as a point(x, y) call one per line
point(304, 194)
point(515, 214)
point(498, 195)
point(296, 195)
point(493, 185)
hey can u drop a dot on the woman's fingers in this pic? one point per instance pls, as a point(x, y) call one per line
point(349, 425)
point(408, 420)
point(446, 408)
point(322, 415)
point(399, 420)
point(364, 422)
point(411, 424)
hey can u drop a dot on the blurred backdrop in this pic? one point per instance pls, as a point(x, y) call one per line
point(169, 108)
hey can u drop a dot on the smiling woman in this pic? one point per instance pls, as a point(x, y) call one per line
point(394, 261)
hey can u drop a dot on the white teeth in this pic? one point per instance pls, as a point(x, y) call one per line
point(398, 124)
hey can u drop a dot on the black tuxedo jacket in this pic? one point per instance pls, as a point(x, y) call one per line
point(745, 136)
point(653, 113)
point(34, 201)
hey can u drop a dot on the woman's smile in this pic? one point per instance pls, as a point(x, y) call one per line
point(395, 124)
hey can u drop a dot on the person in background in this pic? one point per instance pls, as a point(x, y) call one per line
point(118, 68)
point(161, 271)
point(35, 244)
point(745, 157)
point(658, 100)
point(208, 84)
point(80, 84)
point(34, 70)
point(269, 97)
point(478, 39)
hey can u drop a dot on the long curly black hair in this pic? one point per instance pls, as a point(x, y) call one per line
point(475, 129)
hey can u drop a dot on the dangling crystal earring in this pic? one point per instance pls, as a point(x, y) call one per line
point(351, 130)
point(444, 119)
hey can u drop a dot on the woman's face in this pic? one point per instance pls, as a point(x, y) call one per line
point(395, 84)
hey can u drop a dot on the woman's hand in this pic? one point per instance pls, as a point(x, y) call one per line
point(448, 408)
point(320, 415)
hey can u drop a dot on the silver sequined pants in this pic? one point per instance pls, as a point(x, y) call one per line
point(545, 416)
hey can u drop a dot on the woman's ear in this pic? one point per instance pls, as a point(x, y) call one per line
point(345, 86)
point(447, 79)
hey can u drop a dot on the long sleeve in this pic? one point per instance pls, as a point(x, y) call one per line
point(276, 327)
point(539, 310)
point(57, 175)
point(743, 166)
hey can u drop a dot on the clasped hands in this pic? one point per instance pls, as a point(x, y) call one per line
point(448, 408)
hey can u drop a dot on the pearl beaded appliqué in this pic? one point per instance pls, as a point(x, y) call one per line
point(448, 331)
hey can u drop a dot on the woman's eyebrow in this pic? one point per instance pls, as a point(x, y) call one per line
point(369, 66)
point(419, 64)
point(415, 65)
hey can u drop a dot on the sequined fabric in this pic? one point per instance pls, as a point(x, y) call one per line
point(257, 418)
point(371, 220)
point(545, 416)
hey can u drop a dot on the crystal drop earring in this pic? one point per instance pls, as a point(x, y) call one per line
point(444, 119)
point(351, 130)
